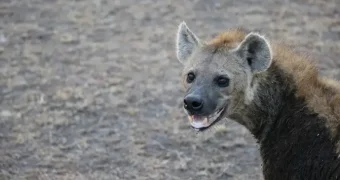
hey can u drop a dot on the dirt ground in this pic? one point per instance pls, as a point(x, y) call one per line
point(90, 89)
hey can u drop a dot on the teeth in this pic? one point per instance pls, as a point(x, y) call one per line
point(201, 122)
point(205, 121)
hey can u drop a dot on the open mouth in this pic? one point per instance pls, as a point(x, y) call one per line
point(202, 123)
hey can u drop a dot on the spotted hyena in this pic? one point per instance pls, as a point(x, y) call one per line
point(277, 94)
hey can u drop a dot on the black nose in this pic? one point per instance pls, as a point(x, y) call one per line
point(193, 103)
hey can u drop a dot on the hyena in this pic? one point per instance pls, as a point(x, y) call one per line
point(276, 93)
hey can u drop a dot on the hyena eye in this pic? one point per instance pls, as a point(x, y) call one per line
point(222, 81)
point(190, 77)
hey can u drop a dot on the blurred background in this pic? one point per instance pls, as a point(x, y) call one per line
point(90, 89)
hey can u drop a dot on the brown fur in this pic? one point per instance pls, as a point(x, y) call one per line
point(228, 40)
point(322, 95)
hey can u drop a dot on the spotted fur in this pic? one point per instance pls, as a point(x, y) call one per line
point(291, 110)
point(295, 115)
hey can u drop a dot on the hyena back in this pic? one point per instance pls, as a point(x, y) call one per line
point(275, 93)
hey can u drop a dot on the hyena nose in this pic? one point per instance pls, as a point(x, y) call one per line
point(193, 103)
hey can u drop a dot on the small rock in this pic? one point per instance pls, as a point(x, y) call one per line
point(3, 39)
point(68, 39)
point(6, 113)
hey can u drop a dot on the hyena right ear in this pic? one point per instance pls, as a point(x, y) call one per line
point(186, 42)
point(256, 50)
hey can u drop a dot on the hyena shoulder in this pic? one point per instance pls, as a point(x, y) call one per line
point(321, 94)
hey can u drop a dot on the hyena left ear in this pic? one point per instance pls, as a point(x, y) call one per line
point(186, 43)
point(256, 50)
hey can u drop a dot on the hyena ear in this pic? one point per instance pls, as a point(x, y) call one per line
point(186, 42)
point(256, 50)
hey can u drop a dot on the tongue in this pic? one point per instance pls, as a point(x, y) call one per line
point(198, 118)
point(199, 122)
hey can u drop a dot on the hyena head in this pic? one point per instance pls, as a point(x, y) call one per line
point(218, 76)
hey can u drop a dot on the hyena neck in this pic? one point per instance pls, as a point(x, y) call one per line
point(272, 97)
point(294, 138)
